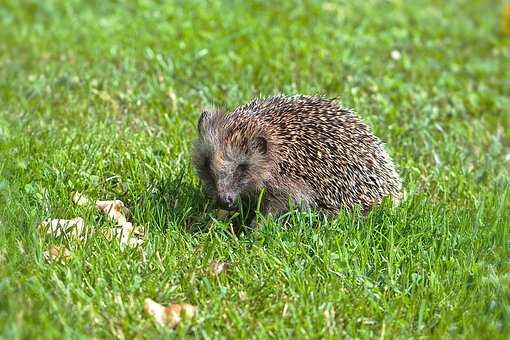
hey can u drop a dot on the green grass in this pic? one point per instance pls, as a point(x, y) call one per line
point(103, 97)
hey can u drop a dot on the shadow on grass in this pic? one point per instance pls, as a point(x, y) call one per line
point(175, 202)
point(178, 203)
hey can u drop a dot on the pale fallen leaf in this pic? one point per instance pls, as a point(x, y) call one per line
point(114, 209)
point(57, 253)
point(58, 227)
point(80, 199)
point(169, 316)
point(133, 230)
point(125, 236)
point(133, 242)
point(285, 311)
point(329, 314)
point(218, 267)
point(395, 55)
point(242, 296)
point(126, 233)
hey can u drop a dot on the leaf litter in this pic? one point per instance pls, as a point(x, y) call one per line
point(125, 232)
point(57, 253)
point(169, 316)
point(128, 235)
point(216, 268)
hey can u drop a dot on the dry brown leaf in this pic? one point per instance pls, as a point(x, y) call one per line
point(57, 253)
point(169, 316)
point(506, 20)
point(58, 227)
point(218, 267)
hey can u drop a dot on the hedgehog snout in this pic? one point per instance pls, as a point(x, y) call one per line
point(227, 189)
point(226, 201)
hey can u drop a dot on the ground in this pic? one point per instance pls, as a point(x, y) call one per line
point(103, 97)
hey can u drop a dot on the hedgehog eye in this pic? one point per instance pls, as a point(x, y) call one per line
point(242, 168)
point(261, 145)
point(207, 163)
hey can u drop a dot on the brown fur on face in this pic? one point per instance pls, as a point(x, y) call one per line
point(233, 163)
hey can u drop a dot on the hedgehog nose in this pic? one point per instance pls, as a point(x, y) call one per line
point(226, 201)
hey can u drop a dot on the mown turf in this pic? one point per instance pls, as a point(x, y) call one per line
point(102, 97)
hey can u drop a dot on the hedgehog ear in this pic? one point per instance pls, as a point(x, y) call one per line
point(260, 144)
point(207, 116)
point(204, 117)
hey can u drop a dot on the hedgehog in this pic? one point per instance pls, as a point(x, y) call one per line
point(293, 151)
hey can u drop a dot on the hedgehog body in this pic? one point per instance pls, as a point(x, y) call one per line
point(302, 150)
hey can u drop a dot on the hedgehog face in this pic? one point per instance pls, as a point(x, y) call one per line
point(231, 163)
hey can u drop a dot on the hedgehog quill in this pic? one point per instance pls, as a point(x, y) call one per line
point(305, 151)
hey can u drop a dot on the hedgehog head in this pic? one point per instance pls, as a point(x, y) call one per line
point(231, 156)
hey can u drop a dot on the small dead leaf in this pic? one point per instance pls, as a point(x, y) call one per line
point(80, 199)
point(285, 311)
point(169, 316)
point(329, 314)
point(58, 227)
point(133, 242)
point(126, 233)
point(114, 209)
point(57, 253)
point(126, 237)
point(218, 267)
point(242, 296)
point(222, 214)
point(133, 230)
point(506, 20)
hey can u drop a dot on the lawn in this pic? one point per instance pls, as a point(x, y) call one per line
point(103, 97)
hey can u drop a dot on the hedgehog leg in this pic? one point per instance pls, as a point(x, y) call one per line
point(271, 205)
point(253, 223)
point(274, 205)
